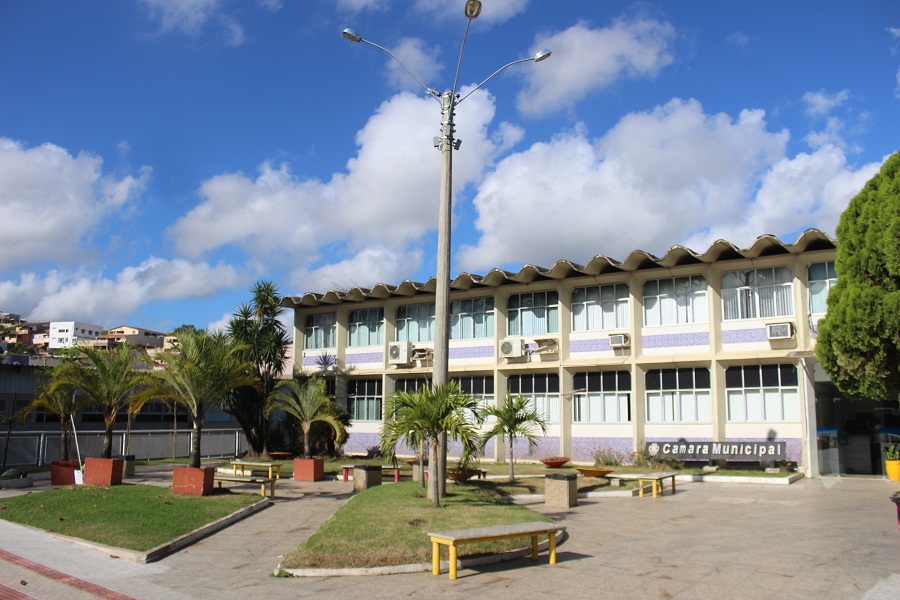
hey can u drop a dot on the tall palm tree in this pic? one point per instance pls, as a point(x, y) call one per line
point(256, 325)
point(308, 403)
point(516, 417)
point(199, 374)
point(422, 416)
point(107, 378)
point(63, 402)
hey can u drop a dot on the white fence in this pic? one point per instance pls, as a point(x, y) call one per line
point(36, 448)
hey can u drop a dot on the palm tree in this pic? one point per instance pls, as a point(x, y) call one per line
point(516, 417)
point(308, 403)
point(65, 403)
point(422, 416)
point(107, 378)
point(199, 374)
point(256, 325)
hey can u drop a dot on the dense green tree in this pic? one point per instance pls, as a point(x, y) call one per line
point(858, 341)
point(309, 404)
point(256, 326)
point(423, 415)
point(516, 417)
point(200, 374)
point(106, 378)
point(64, 403)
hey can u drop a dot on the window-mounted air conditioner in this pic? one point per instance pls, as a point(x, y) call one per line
point(779, 331)
point(512, 348)
point(399, 353)
point(618, 340)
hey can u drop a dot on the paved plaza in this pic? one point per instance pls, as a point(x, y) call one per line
point(824, 538)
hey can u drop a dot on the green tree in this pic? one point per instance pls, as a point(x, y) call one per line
point(309, 404)
point(64, 402)
point(199, 374)
point(107, 379)
point(516, 417)
point(266, 341)
point(858, 341)
point(422, 416)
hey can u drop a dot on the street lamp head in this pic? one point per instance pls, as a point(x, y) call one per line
point(351, 35)
point(473, 8)
point(542, 55)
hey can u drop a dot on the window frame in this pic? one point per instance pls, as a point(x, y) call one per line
point(520, 306)
point(689, 308)
point(829, 282)
point(594, 391)
point(407, 320)
point(541, 396)
point(754, 293)
point(473, 320)
point(593, 309)
point(355, 323)
point(317, 331)
point(373, 402)
point(759, 386)
point(673, 392)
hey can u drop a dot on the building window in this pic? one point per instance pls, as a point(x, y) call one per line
point(757, 293)
point(600, 307)
point(364, 327)
point(760, 393)
point(319, 331)
point(472, 319)
point(679, 396)
point(542, 389)
point(411, 385)
point(822, 277)
point(415, 322)
point(479, 386)
point(602, 397)
point(364, 399)
point(675, 301)
point(533, 314)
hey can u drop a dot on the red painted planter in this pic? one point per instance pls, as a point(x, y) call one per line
point(103, 471)
point(62, 472)
point(193, 482)
point(555, 462)
point(309, 469)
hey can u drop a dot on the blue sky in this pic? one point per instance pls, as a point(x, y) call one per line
point(157, 157)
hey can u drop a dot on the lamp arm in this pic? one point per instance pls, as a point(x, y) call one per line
point(491, 76)
point(431, 92)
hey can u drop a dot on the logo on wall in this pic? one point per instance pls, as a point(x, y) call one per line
point(653, 448)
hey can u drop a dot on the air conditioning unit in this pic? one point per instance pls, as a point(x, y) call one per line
point(399, 353)
point(779, 331)
point(618, 340)
point(512, 347)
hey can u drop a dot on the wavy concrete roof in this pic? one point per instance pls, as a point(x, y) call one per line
point(765, 245)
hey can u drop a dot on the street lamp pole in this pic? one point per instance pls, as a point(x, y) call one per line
point(446, 143)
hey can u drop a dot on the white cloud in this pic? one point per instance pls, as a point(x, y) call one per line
point(585, 60)
point(191, 17)
point(381, 206)
point(419, 59)
point(96, 299)
point(672, 175)
point(51, 201)
point(356, 6)
point(493, 11)
point(740, 39)
point(822, 103)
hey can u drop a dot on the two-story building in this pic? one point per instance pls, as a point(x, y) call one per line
point(690, 354)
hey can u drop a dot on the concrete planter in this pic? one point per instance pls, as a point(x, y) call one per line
point(62, 472)
point(189, 481)
point(15, 484)
point(892, 469)
point(309, 469)
point(103, 471)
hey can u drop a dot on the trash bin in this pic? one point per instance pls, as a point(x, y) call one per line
point(561, 490)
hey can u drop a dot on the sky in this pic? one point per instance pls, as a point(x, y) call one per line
point(158, 157)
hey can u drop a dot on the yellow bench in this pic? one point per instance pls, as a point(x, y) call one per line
point(262, 481)
point(455, 538)
point(271, 466)
point(655, 478)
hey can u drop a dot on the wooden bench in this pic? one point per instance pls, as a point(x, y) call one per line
point(455, 538)
point(271, 466)
point(654, 478)
point(345, 472)
point(262, 481)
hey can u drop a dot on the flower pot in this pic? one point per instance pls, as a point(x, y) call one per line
point(892, 469)
point(555, 462)
point(103, 471)
point(309, 469)
point(190, 481)
point(460, 474)
point(62, 472)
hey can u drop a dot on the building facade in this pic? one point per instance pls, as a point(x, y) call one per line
point(687, 354)
point(67, 334)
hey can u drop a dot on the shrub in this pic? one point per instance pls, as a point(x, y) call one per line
point(607, 457)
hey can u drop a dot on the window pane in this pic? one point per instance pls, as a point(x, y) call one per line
point(754, 404)
point(788, 375)
point(751, 377)
point(734, 377)
point(701, 378)
point(791, 404)
point(736, 406)
point(770, 375)
point(669, 379)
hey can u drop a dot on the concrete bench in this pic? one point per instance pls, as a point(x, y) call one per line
point(345, 472)
point(262, 481)
point(453, 539)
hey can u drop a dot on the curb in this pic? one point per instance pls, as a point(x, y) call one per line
point(737, 479)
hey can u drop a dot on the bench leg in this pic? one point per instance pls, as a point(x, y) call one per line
point(452, 561)
point(641, 485)
point(435, 558)
point(534, 547)
point(552, 547)
point(673, 485)
point(656, 484)
point(396, 475)
point(346, 473)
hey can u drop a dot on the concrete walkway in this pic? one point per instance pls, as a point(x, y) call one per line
point(825, 538)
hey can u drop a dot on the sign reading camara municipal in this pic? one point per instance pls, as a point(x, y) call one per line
point(735, 451)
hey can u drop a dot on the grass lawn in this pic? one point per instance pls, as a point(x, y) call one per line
point(387, 525)
point(136, 517)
